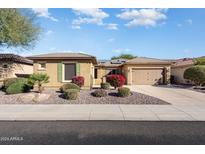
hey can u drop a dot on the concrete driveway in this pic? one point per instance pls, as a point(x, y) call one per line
point(185, 104)
point(175, 96)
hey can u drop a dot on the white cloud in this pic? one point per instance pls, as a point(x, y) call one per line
point(117, 50)
point(143, 17)
point(111, 40)
point(127, 50)
point(112, 26)
point(52, 48)
point(179, 25)
point(43, 12)
point(189, 21)
point(75, 27)
point(89, 16)
point(49, 32)
point(121, 50)
point(186, 51)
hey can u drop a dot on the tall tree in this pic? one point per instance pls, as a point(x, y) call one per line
point(18, 28)
point(124, 56)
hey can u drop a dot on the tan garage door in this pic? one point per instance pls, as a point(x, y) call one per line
point(147, 76)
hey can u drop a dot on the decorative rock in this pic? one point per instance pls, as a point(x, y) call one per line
point(27, 97)
point(41, 97)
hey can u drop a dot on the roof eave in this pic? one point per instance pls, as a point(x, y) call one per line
point(93, 59)
point(151, 63)
point(182, 66)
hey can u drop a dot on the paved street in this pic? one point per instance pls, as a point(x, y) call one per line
point(102, 132)
point(186, 105)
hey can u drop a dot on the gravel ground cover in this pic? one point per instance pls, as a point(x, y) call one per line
point(85, 97)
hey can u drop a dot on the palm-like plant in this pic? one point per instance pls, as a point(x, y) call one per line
point(39, 79)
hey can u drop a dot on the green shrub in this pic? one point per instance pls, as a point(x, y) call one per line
point(17, 87)
point(9, 81)
point(105, 85)
point(99, 93)
point(195, 74)
point(69, 86)
point(115, 80)
point(71, 94)
point(199, 61)
point(123, 92)
point(39, 79)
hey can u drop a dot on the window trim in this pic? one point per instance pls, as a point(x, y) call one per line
point(39, 65)
point(63, 70)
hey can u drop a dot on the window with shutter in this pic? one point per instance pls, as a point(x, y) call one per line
point(69, 71)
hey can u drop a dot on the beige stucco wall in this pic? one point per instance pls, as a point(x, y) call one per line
point(178, 73)
point(101, 73)
point(14, 68)
point(86, 70)
point(127, 71)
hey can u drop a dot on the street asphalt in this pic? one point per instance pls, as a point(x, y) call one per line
point(101, 132)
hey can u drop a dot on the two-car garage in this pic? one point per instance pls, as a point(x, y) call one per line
point(146, 71)
point(147, 76)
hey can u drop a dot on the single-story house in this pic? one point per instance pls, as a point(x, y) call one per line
point(12, 65)
point(177, 69)
point(61, 67)
point(138, 71)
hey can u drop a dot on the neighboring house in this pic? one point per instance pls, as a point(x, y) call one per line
point(177, 69)
point(12, 65)
point(138, 71)
point(61, 67)
point(107, 67)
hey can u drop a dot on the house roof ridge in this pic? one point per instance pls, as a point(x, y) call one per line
point(16, 58)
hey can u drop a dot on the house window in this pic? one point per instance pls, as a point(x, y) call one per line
point(42, 65)
point(115, 71)
point(96, 73)
point(69, 71)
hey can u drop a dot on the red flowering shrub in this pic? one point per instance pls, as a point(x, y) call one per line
point(79, 80)
point(116, 80)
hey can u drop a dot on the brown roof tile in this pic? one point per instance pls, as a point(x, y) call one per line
point(63, 55)
point(16, 58)
point(145, 60)
point(183, 62)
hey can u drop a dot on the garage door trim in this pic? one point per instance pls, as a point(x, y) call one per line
point(147, 78)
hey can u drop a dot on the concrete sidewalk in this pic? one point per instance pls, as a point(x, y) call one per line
point(100, 112)
point(186, 105)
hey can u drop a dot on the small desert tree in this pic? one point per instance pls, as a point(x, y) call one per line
point(18, 28)
point(195, 74)
point(39, 79)
point(124, 56)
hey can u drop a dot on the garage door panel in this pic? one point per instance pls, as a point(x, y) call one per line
point(147, 76)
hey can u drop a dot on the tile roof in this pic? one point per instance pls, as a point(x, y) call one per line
point(16, 58)
point(183, 62)
point(112, 63)
point(145, 60)
point(63, 55)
